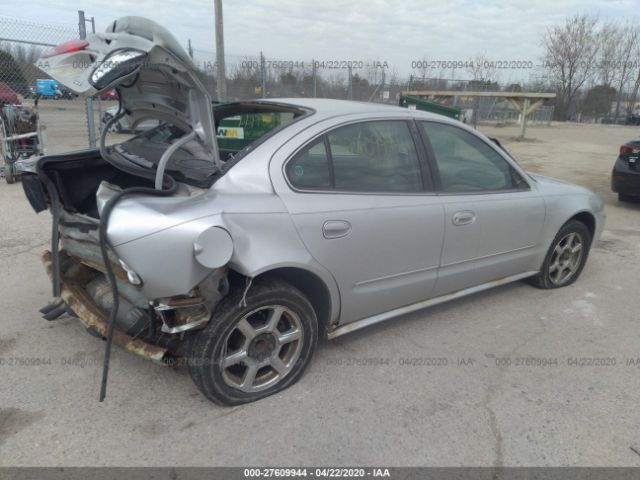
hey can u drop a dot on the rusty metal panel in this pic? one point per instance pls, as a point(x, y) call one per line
point(93, 317)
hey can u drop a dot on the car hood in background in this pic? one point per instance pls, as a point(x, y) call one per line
point(165, 86)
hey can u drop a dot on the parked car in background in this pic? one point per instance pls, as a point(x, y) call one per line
point(48, 88)
point(633, 119)
point(8, 96)
point(339, 215)
point(66, 94)
point(625, 177)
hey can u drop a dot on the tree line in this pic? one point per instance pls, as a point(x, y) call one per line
point(593, 65)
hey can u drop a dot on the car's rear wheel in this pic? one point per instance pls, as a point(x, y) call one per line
point(566, 257)
point(254, 346)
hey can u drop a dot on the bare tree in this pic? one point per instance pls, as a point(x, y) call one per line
point(570, 55)
point(482, 69)
point(609, 37)
point(625, 57)
point(634, 94)
point(422, 71)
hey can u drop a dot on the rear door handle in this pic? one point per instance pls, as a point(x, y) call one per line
point(336, 228)
point(464, 217)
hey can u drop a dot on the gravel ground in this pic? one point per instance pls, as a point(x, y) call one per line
point(513, 376)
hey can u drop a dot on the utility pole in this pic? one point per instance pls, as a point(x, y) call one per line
point(220, 74)
point(82, 25)
point(190, 50)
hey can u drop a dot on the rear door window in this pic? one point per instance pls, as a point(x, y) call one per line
point(378, 156)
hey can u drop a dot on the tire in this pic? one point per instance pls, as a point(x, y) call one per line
point(623, 197)
point(244, 335)
point(561, 266)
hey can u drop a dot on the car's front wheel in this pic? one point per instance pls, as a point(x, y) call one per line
point(566, 257)
point(254, 346)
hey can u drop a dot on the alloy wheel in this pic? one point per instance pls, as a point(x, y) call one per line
point(262, 348)
point(566, 258)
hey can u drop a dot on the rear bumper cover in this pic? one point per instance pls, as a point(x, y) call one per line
point(92, 316)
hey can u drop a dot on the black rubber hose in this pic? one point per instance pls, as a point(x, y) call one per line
point(55, 239)
point(151, 334)
point(104, 246)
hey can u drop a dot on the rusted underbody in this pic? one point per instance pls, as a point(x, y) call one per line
point(90, 314)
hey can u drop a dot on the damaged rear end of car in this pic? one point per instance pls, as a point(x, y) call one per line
point(139, 250)
point(160, 295)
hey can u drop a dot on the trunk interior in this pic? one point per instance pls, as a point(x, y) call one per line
point(77, 177)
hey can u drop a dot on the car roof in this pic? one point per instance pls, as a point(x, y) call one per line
point(328, 107)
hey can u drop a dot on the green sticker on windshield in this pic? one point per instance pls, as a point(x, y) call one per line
point(298, 170)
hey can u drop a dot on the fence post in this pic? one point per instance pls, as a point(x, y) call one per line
point(263, 76)
point(221, 75)
point(313, 78)
point(82, 30)
point(98, 101)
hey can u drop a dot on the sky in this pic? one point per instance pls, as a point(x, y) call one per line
point(396, 32)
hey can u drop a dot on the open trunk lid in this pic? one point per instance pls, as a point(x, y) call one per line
point(154, 76)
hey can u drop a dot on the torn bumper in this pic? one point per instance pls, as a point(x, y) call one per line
point(90, 314)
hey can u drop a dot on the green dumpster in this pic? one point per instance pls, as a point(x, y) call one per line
point(235, 133)
point(427, 106)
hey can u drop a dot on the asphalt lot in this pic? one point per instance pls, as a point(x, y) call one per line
point(513, 376)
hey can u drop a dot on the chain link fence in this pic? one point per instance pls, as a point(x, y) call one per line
point(74, 123)
point(21, 44)
point(260, 76)
point(63, 116)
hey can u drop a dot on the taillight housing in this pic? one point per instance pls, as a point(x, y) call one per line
point(117, 65)
point(66, 47)
point(625, 149)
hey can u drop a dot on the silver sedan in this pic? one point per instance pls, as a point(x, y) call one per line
point(237, 249)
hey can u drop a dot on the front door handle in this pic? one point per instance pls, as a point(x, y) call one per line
point(464, 217)
point(336, 229)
